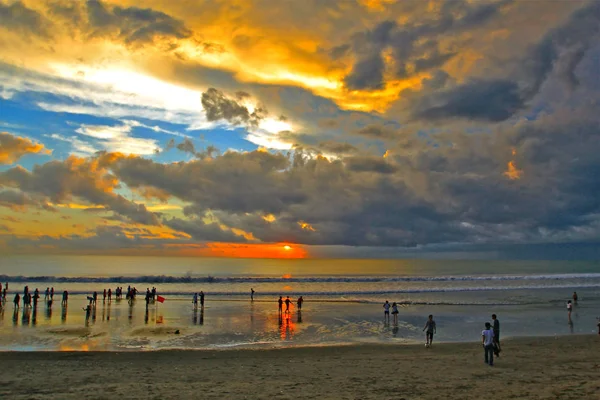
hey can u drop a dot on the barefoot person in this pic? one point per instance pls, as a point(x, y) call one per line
point(386, 310)
point(487, 339)
point(430, 329)
point(569, 309)
point(395, 312)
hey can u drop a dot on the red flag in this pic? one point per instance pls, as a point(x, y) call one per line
point(160, 299)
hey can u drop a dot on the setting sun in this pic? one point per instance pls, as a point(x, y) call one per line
point(286, 247)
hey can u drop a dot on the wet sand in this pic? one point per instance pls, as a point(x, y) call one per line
point(565, 367)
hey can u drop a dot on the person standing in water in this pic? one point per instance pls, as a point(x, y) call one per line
point(201, 299)
point(395, 312)
point(569, 309)
point(65, 298)
point(300, 301)
point(280, 303)
point(195, 300)
point(386, 310)
point(430, 328)
point(251, 294)
point(17, 300)
point(287, 304)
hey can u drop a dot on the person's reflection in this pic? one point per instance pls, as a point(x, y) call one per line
point(299, 316)
point(131, 312)
point(395, 330)
point(26, 316)
point(49, 311)
point(195, 316)
point(16, 317)
point(571, 326)
point(108, 310)
point(63, 314)
point(146, 316)
point(34, 317)
point(94, 314)
point(201, 322)
point(88, 313)
point(252, 313)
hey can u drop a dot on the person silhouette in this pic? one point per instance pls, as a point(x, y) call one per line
point(251, 294)
point(287, 304)
point(280, 303)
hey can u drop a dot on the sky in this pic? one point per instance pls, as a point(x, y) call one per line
point(320, 128)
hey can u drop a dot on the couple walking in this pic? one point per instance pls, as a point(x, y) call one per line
point(490, 338)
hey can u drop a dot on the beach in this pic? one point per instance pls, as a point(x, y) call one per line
point(565, 367)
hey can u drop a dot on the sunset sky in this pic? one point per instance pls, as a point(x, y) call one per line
point(292, 129)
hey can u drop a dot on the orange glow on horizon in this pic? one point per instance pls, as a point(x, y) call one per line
point(236, 250)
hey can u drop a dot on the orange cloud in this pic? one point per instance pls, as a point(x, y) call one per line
point(306, 226)
point(12, 148)
point(513, 172)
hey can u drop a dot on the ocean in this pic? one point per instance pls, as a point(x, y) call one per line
point(343, 301)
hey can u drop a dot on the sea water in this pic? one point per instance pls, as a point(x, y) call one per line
point(343, 301)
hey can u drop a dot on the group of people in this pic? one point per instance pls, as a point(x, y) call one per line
point(198, 296)
point(490, 335)
point(31, 299)
point(288, 302)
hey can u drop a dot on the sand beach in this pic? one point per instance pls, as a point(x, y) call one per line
point(565, 367)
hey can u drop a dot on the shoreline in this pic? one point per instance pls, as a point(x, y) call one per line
point(564, 367)
point(238, 347)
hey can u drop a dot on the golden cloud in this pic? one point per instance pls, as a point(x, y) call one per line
point(12, 148)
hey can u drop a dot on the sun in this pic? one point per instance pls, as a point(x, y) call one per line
point(286, 247)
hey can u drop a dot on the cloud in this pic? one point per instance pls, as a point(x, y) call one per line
point(499, 99)
point(410, 48)
point(477, 100)
point(117, 138)
point(219, 107)
point(12, 148)
point(59, 181)
point(18, 17)
point(131, 25)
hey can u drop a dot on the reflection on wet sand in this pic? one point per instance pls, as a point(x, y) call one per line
point(196, 320)
point(63, 314)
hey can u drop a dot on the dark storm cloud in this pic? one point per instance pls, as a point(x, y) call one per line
point(17, 16)
point(133, 25)
point(414, 47)
point(478, 100)
point(377, 132)
point(496, 100)
point(219, 107)
point(369, 164)
point(337, 148)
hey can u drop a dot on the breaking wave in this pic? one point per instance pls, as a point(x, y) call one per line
point(156, 279)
